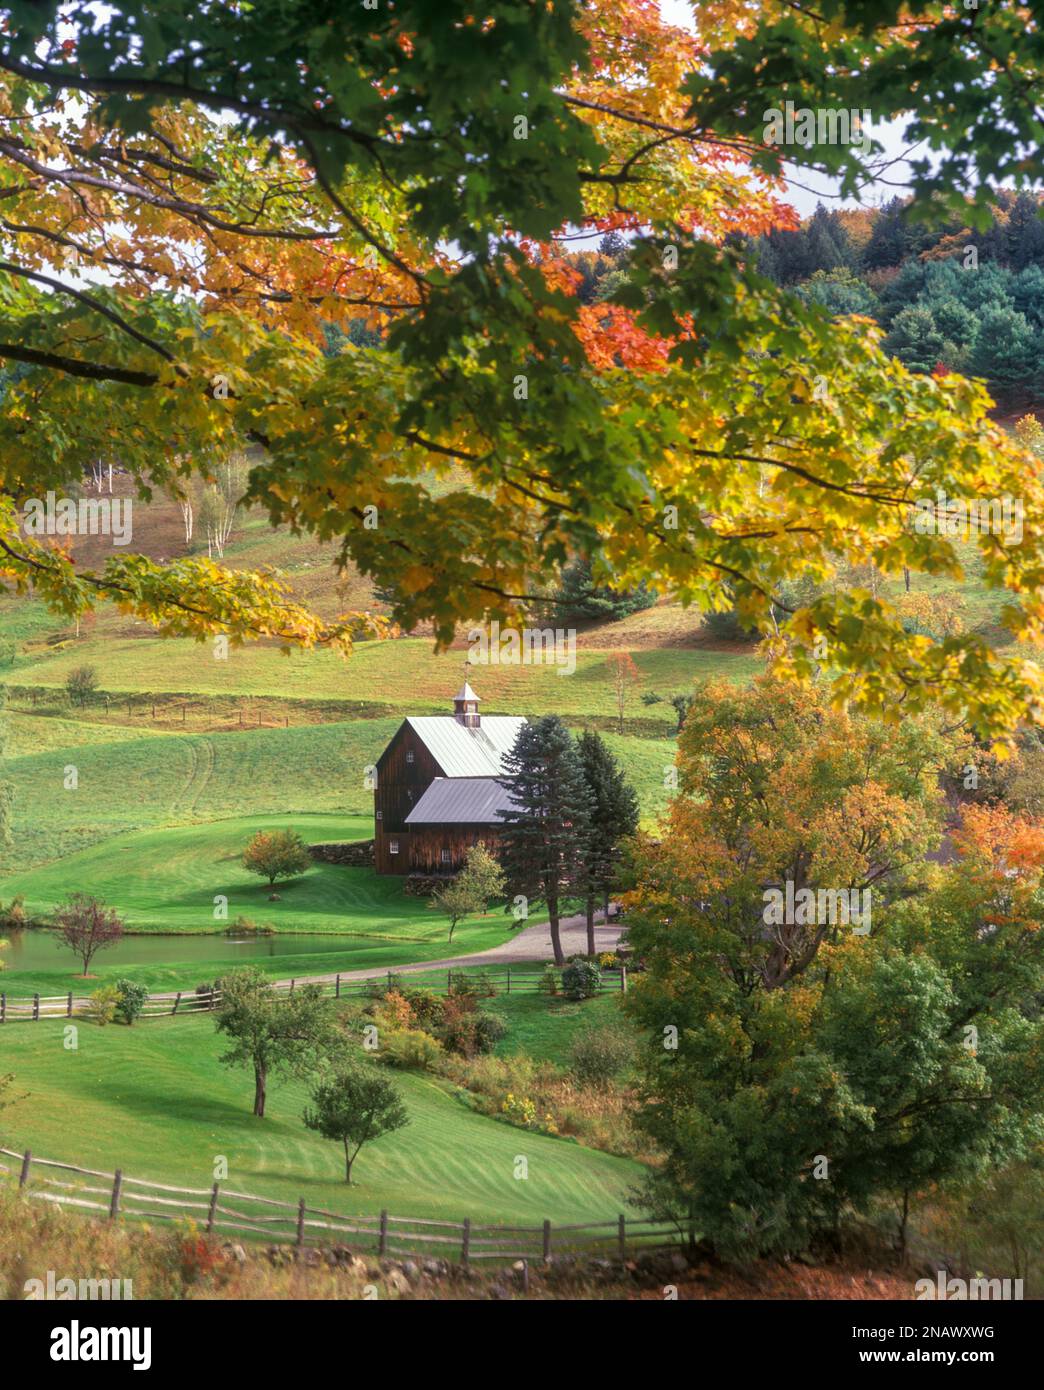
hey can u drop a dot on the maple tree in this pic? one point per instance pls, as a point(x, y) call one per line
point(185, 224)
point(794, 1073)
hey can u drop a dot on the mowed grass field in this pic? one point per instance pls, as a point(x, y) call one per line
point(127, 779)
point(154, 1101)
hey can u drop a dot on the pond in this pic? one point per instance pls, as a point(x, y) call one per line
point(39, 950)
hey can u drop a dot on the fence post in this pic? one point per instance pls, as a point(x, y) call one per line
point(465, 1247)
point(300, 1223)
point(36, 1007)
point(509, 979)
point(117, 1188)
point(337, 988)
point(68, 1010)
point(177, 1001)
point(292, 983)
point(3, 1008)
point(212, 1211)
point(623, 1237)
point(623, 978)
point(23, 1176)
point(382, 1239)
point(547, 1242)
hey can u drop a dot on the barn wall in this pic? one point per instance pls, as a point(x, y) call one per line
point(427, 843)
point(400, 785)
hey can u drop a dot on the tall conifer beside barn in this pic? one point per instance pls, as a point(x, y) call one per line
point(614, 816)
point(545, 830)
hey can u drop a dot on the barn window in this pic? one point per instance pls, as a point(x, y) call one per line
point(409, 755)
point(378, 815)
point(446, 856)
point(393, 846)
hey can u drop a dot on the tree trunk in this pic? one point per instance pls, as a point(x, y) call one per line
point(347, 1163)
point(556, 939)
point(590, 924)
point(605, 907)
point(259, 1091)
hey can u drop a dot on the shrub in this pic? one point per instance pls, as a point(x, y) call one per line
point(395, 1011)
point(410, 1048)
point(581, 979)
point(478, 986)
point(608, 960)
point(470, 1033)
point(489, 1029)
point(131, 1001)
point(549, 980)
point(102, 1005)
point(599, 1053)
point(519, 1109)
point(428, 1008)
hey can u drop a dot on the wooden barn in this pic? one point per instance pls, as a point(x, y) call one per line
point(437, 793)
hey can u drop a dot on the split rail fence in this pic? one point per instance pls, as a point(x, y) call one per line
point(221, 1210)
point(33, 1008)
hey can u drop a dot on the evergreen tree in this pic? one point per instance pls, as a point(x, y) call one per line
point(1024, 233)
point(915, 339)
point(887, 244)
point(614, 816)
point(580, 599)
point(612, 246)
point(1009, 354)
point(545, 832)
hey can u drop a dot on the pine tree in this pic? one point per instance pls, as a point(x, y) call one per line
point(544, 834)
point(614, 816)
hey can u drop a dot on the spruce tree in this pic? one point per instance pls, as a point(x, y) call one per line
point(545, 831)
point(613, 816)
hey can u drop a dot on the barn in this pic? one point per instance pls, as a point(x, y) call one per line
point(436, 792)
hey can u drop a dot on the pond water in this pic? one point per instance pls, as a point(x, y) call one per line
point(39, 950)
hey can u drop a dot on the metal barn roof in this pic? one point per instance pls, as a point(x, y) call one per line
point(464, 752)
point(461, 801)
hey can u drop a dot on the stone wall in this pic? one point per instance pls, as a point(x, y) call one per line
point(423, 885)
point(357, 854)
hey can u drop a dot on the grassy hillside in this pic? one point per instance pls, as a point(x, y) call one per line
point(155, 1101)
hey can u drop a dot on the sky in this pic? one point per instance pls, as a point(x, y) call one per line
point(805, 189)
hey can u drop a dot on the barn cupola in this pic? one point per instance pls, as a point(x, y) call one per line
point(465, 707)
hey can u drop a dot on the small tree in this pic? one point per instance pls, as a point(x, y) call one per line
point(480, 879)
point(81, 683)
point(132, 998)
point(272, 1033)
point(281, 854)
point(623, 675)
point(354, 1105)
point(85, 925)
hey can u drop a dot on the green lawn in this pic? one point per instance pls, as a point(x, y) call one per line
point(154, 1101)
point(543, 1026)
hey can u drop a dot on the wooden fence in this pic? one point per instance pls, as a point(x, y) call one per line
point(33, 1008)
point(221, 1210)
